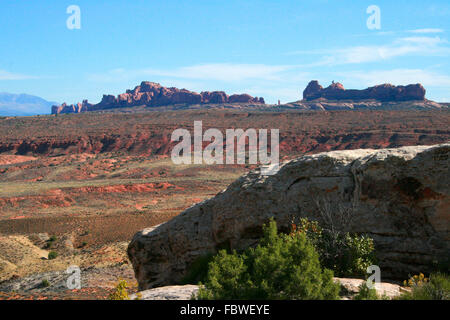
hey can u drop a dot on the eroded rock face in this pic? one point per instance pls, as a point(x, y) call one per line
point(399, 197)
point(73, 108)
point(383, 92)
point(243, 98)
point(153, 94)
point(214, 97)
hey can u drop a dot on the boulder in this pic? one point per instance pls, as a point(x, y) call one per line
point(399, 197)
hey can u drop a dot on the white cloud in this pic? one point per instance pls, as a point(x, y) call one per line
point(419, 45)
point(401, 47)
point(397, 77)
point(426, 30)
point(231, 72)
point(216, 71)
point(423, 41)
point(5, 75)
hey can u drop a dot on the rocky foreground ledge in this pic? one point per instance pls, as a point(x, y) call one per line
point(399, 197)
point(187, 292)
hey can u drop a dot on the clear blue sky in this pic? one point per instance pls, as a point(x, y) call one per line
point(266, 48)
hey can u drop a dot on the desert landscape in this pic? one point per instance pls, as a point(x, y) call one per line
point(81, 185)
point(234, 157)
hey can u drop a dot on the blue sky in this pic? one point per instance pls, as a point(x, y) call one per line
point(266, 48)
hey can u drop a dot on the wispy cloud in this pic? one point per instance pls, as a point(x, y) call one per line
point(426, 30)
point(418, 45)
point(5, 75)
point(396, 76)
point(215, 71)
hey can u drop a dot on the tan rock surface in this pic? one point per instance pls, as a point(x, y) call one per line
point(167, 293)
point(399, 197)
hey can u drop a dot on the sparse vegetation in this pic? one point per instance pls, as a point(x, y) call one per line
point(346, 254)
point(120, 292)
point(280, 267)
point(49, 243)
point(366, 293)
point(436, 287)
point(45, 283)
point(52, 255)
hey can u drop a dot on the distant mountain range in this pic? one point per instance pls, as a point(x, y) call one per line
point(23, 105)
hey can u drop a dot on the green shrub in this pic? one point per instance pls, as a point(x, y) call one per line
point(45, 283)
point(437, 287)
point(120, 292)
point(348, 255)
point(52, 255)
point(280, 267)
point(366, 293)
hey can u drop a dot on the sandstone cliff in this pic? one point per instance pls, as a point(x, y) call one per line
point(383, 92)
point(399, 197)
point(152, 94)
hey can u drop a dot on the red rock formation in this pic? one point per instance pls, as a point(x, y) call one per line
point(73, 108)
point(152, 94)
point(242, 98)
point(383, 92)
point(214, 97)
point(312, 89)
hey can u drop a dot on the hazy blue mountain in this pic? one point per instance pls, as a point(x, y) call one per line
point(23, 105)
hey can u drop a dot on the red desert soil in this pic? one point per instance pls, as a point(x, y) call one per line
point(148, 133)
point(97, 178)
point(12, 159)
